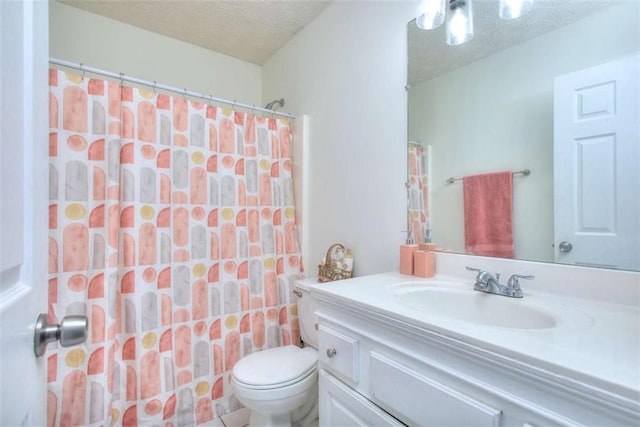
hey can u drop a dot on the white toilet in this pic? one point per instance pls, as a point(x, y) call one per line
point(280, 385)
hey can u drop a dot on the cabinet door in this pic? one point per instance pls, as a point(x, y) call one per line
point(422, 401)
point(341, 406)
point(339, 353)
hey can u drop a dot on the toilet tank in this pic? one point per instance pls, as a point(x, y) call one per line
point(306, 312)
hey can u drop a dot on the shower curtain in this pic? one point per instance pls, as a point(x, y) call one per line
point(172, 227)
point(418, 191)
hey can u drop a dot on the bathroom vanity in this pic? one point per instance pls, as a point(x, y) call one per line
point(396, 349)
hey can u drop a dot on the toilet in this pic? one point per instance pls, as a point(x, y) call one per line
point(280, 385)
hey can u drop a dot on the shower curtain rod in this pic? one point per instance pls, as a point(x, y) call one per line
point(155, 86)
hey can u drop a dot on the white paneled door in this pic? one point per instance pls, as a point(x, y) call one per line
point(23, 208)
point(597, 166)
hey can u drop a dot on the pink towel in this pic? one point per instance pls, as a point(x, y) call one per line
point(488, 214)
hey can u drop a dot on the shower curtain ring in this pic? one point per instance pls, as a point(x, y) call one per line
point(82, 70)
point(184, 94)
point(121, 79)
point(155, 87)
point(210, 100)
point(233, 106)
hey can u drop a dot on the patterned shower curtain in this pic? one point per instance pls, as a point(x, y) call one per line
point(172, 227)
point(418, 191)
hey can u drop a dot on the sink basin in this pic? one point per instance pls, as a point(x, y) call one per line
point(475, 307)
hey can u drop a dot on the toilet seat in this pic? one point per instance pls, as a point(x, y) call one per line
point(278, 392)
point(311, 371)
point(275, 368)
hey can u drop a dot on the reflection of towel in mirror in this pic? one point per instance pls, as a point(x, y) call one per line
point(488, 214)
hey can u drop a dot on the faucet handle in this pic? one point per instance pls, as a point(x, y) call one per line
point(482, 279)
point(480, 276)
point(514, 283)
point(484, 275)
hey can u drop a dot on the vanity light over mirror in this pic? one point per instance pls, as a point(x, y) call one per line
point(554, 92)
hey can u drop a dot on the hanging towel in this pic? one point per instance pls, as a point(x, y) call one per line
point(488, 214)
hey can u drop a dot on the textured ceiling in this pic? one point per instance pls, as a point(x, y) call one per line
point(249, 30)
point(430, 56)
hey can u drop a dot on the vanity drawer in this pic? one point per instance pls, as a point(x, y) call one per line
point(340, 405)
point(339, 353)
point(418, 400)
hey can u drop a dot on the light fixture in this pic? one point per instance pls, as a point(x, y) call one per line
point(512, 9)
point(430, 14)
point(459, 16)
point(459, 22)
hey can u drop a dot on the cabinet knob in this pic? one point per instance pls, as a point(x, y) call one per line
point(331, 352)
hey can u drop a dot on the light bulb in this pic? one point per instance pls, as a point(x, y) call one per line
point(512, 9)
point(458, 25)
point(430, 14)
point(459, 22)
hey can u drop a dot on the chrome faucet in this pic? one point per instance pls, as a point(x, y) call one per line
point(486, 282)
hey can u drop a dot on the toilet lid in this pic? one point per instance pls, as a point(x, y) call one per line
point(275, 366)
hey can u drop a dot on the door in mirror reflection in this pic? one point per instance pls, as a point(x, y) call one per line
point(597, 182)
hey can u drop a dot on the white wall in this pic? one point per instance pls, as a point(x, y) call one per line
point(347, 70)
point(497, 114)
point(83, 37)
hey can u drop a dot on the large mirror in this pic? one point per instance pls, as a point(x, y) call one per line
point(555, 93)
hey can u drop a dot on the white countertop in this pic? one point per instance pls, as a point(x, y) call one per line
point(594, 342)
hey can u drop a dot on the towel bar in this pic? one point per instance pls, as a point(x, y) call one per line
point(524, 172)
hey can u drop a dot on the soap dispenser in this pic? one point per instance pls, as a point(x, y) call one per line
point(406, 255)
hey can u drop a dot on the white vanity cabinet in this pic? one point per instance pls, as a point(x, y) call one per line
point(340, 405)
point(378, 369)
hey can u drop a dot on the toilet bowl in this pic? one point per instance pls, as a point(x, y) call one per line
point(280, 385)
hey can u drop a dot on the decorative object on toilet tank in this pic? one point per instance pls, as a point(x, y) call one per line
point(337, 265)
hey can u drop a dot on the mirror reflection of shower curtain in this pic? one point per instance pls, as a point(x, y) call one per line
point(419, 162)
point(172, 227)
